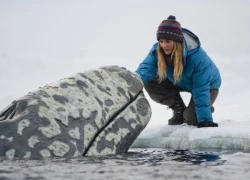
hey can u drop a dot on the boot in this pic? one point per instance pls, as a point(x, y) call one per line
point(178, 108)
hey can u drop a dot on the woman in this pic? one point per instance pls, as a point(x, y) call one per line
point(178, 63)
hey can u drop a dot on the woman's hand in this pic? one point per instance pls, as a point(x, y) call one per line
point(207, 124)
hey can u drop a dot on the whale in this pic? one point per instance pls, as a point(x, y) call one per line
point(96, 112)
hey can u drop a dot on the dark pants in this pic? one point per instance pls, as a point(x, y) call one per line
point(165, 92)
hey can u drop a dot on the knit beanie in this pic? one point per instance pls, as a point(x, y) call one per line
point(170, 29)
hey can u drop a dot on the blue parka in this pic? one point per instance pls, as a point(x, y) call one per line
point(200, 74)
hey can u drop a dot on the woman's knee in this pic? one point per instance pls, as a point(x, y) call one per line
point(213, 95)
point(163, 92)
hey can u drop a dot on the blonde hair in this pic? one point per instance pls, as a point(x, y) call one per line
point(176, 57)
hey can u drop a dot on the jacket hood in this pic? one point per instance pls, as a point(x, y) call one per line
point(191, 43)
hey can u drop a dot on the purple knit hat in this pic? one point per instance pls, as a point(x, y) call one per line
point(170, 29)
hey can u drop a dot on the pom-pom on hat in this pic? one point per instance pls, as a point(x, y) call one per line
point(170, 29)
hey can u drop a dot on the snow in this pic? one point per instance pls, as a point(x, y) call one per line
point(44, 41)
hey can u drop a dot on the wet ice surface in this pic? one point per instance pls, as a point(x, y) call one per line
point(136, 164)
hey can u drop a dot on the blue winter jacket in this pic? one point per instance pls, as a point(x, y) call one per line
point(199, 75)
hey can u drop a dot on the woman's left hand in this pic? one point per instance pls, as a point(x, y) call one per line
point(207, 124)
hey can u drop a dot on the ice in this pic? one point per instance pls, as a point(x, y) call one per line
point(230, 136)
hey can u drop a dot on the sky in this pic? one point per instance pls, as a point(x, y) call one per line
point(43, 41)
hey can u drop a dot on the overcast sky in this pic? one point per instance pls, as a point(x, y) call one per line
point(42, 41)
point(118, 27)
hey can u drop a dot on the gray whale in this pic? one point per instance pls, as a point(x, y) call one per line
point(97, 112)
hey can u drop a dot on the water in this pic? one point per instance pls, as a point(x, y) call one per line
point(135, 165)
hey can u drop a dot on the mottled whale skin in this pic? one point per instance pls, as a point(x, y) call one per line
point(97, 112)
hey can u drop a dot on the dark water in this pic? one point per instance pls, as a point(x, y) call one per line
point(136, 164)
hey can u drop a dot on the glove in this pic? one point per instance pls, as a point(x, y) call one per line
point(207, 124)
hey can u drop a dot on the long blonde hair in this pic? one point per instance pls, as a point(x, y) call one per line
point(176, 56)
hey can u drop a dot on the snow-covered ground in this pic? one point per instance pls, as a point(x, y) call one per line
point(44, 41)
